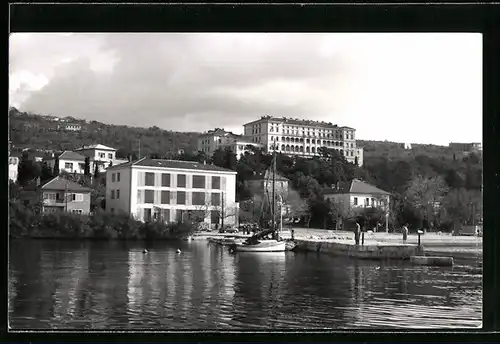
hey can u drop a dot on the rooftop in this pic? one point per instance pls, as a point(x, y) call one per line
point(96, 146)
point(60, 183)
point(70, 155)
point(299, 121)
point(171, 164)
point(355, 186)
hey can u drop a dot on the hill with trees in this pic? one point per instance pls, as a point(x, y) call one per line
point(34, 131)
point(431, 186)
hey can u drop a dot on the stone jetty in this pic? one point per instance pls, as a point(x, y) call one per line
point(369, 250)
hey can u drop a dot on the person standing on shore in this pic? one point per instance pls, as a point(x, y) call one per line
point(357, 233)
point(405, 233)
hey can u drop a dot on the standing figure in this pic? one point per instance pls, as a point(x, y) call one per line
point(357, 233)
point(405, 233)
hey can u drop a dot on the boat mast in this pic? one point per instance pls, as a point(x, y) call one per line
point(274, 183)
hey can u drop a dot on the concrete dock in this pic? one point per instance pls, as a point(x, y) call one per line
point(370, 250)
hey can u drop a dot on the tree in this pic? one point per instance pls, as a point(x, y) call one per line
point(461, 206)
point(46, 172)
point(356, 162)
point(96, 171)
point(56, 167)
point(424, 194)
point(27, 170)
point(86, 167)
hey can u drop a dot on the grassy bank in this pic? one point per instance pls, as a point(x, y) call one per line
point(25, 222)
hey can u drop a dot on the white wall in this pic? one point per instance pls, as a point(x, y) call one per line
point(228, 185)
point(123, 203)
point(62, 166)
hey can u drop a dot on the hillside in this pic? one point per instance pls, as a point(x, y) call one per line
point(41, 132)
point(37, 131)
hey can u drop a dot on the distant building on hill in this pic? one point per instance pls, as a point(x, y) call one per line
point(293, 136)
point(212, 140)
point(407, 145)
point(472, 147)
point(69, 127)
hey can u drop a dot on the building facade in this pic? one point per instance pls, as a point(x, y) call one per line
point(172, 190)
point(293, 136)
point(357, 194)
point(69, 127)
point(466, 147)
point(60, 194)
point(101, 155)
point(212, 140)
point(69, 162)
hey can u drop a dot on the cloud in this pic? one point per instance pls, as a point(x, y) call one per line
point(195, 82)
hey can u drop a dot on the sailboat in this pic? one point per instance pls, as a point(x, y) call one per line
point(257, 242)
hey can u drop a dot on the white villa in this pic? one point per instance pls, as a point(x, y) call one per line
point(100, 154)
point(172, 190)
point(358, 194)
point(69, 161)
point(212, 140)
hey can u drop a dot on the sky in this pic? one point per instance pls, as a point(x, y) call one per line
point(402, 87)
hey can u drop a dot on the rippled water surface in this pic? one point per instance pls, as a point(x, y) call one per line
point(67, 285)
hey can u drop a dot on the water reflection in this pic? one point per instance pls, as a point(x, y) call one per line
point(68, 285)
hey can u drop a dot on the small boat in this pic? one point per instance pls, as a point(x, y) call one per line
point(254, 244)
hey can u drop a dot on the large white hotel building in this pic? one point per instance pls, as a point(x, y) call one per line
point(292, 137)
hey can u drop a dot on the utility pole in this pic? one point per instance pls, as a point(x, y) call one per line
point(66, 196)
point(222, 211)
point(273, 193)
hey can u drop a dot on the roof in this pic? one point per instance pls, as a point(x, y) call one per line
point(296, 121)
point(70, 155)
point(96, 146)
point(356, 186)
point(171, 164)
point(60, 183)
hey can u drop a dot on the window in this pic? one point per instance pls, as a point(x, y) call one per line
point(77, 197)
point(198, 182)
point(102, 155)
point(367, 201)
point(198, 198)
point(112, 194)
point(110, 155)
point(215, 199)
point(355, 201)
point(68, 166)
point(139, 196)
point(165, 197)
point(216, 183)
point(117, 194)
point(373, 202)
point(118, 176)
point(76, 211)
point(165, 179)
point(147, 214)
point(112, 177)
point(149, 196)
point(150, 179)
point(181, 197)
point(181, 180)
point(81, 166)
point(166, 215)
point(112, 210)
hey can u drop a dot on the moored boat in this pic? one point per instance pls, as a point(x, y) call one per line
point(261, 246)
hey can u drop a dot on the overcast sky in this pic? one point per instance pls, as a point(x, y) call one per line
point(417, 88)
